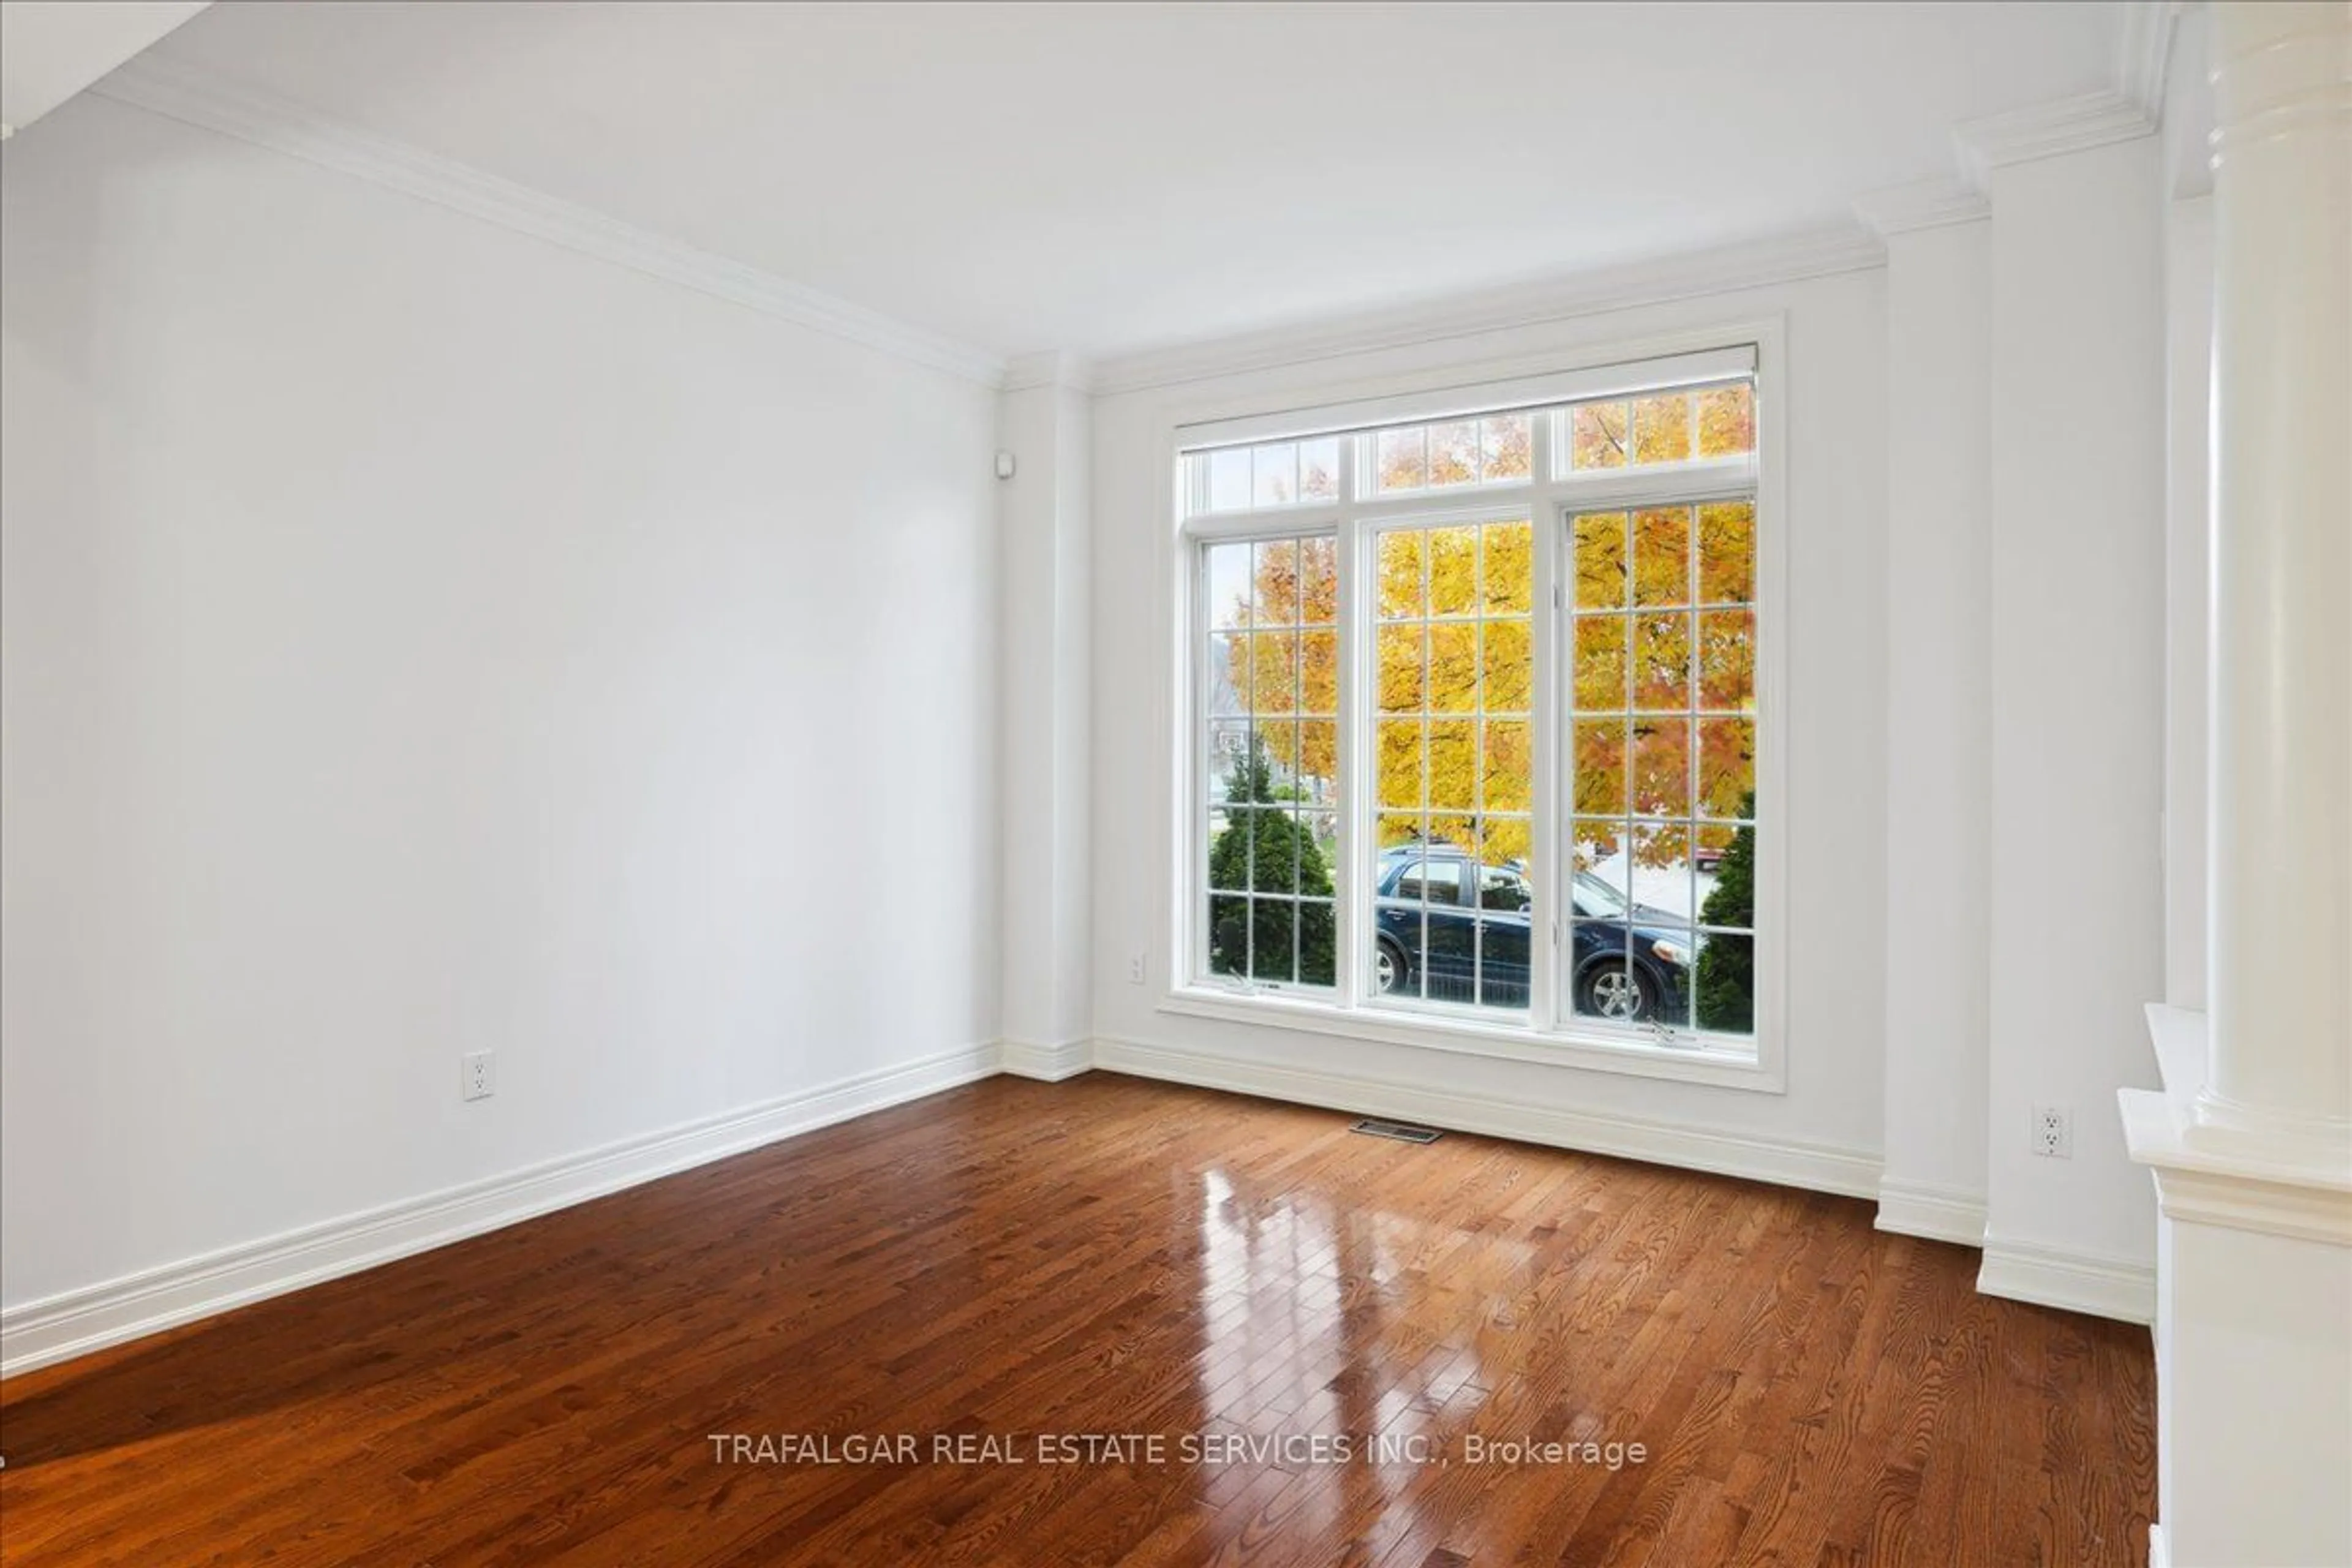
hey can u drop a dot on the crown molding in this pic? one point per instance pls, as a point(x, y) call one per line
point(199, 98)
point(2073, 124)
point(1931, 203)
point(2145, 52)
point(1024, 371)
point(1786, 259)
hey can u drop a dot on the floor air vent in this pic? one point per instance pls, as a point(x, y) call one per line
point(1402, 1132)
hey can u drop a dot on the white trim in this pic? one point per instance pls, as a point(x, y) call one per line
point(1787, 259)
point(1461, 400)
point(1048, 1064)
point(77, 1322)
point(198, 97)
point(1456, 1031)
point(1852, 1173)
point(2068, 1278)
point(1024, 372)
point(1927, 1209)
point(2047, 131)
point(1921, 203)
point(2159, 1547)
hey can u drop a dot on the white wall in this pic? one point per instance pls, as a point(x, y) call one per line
point(1836, 626)
point(421, 638)
point(1938, 728)
point(2077, 662)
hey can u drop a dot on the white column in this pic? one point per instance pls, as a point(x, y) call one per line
point(1938, 705)
point(2251, 1141)
point(1044, 422)
point(2280, 982)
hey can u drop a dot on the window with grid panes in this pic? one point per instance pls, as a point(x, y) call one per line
point(1401, 803)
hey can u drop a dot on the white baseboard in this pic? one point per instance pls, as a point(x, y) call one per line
point(1048, 1064)
point(1853, 1173)
point(2068, 1278)
point(1927, 1209)
point(79, 1321)
point(2159, 1549)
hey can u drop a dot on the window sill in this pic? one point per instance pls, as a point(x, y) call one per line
point(1709, 1064)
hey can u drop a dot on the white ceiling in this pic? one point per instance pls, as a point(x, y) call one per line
point(1100, 179)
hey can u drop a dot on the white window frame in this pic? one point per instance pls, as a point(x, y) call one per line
point(1548, 1034)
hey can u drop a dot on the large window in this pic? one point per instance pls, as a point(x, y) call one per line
point(1477, 716)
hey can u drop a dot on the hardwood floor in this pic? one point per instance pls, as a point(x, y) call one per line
point(1108, 1256)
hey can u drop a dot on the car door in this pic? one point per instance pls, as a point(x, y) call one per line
point(1503, 904)
point(1451, 946)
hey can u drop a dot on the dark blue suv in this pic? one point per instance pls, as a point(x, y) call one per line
point(1631, 961)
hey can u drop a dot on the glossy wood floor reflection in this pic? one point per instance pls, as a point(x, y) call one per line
point(1112, 1256)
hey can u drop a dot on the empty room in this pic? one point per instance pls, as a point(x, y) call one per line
point(1421, 785)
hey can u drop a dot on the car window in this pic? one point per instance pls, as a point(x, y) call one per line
point(1596, 900)
point(1439, 879)
point(1500, 888)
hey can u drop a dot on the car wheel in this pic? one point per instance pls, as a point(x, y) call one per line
point(1616, 990)
point(1389, 970)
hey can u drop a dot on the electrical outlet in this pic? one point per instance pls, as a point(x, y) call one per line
point(2054, 1132)
point(1135, 969)
point(476, 1080)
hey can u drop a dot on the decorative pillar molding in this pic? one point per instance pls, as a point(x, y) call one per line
point(2281, 1042)
point(2250, 1141)
point(1045, 421)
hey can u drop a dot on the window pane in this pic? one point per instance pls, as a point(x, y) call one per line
point(1660, 784)
point(1453, 766)
point(1726, 420)
point(1401, 742)
point(1727, 553)
point(1318, 469)
point(1724, 982)
point(1315, 762)
point(1662, 662)
point(1601, 561)
point(1228, 590)
point(1273, 672)
point(1276, 468)
point(1600, 763)
point(1453, 452)
point(1727, 768)
point(1402, 650)
point(1403, 460)
point(1510, 666)
point(1509, 780)
point(1318, 573)
point(1727, 660)
point(1662, 567)
point(1228, 674)
point(1318, 945)
point(1318, 672)
point(1600, 674)
point(1401, 559)
point(1453, 667)
point(1507, 566)
point(1602, 884)
point(1660, 873)
point(1229, 480)
point(1505, 445)
point(1597, 435)
point(1453, 571)
point(1274, 584)
point(1662, 428)
point(1229, 936)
